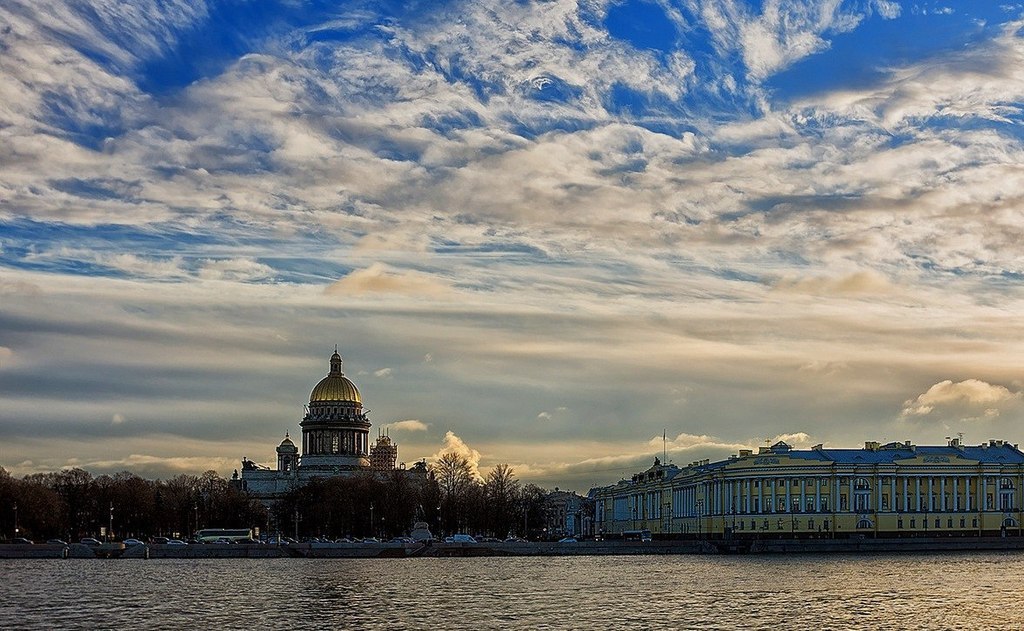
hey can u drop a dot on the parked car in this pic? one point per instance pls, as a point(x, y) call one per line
point(90, 541)
point(460, 538)
point(132, 542)
point(159, 540)
point(176, 542)
point(57, 542)
point(21, 540)
point(567, 540)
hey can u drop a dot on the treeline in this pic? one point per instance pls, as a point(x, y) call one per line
point(449, 499)
point(72, 503)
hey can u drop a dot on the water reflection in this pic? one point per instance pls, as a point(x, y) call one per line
point(937, 591)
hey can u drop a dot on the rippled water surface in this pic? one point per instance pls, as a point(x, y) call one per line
point(938, 591)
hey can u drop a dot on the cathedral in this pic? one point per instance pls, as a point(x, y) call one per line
point(335, 442)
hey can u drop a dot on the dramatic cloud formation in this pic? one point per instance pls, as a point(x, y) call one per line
point(553, 229)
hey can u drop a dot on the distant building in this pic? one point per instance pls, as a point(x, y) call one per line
point(896, 489)
point(567, 514)
point(383, 454)
point(335, 442)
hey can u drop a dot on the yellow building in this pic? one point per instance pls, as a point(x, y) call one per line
point(892, 490)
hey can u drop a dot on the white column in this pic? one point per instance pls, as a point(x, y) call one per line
point(967, 493)
point(746, 497)
point(942, 494)
point(956, 495)
point(789, 487)
point(931, 492)
point(983, 500)
point(817, 494)
point(892, 495)
point(760, 494)
point(803, 494)
point(906, 500)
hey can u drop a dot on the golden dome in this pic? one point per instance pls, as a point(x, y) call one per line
point(335, 386)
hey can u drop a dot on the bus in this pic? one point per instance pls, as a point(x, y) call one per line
point(234, 535)
point(636, 535)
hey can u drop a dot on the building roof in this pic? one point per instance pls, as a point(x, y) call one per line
point(335, 387)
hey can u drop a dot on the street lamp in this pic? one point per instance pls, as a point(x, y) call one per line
point(700, 518)
point(371, 520)
point(15, 519)
point(110, 524)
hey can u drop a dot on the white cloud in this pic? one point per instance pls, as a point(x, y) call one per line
point(454, 444)
point(383, 373)
point(408, 425)
point(970, 392)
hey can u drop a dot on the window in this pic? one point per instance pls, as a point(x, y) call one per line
point(974, 523)
point(824, 504)
point(913, 522)
point(862, 485)
point(949, 523)
point(963, 522)
point(938, 523)
point(899, 523)
point(810, 524)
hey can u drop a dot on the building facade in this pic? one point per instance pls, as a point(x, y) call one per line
point(896, 489)
point(568, 514)
point(335, 442)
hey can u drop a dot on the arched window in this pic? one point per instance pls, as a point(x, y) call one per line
point(1006, 483)
point(862, 485)
point(865, 523)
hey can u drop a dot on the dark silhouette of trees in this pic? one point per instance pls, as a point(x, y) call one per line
point(72, 503)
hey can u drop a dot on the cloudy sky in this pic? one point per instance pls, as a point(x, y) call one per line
point(544, 233)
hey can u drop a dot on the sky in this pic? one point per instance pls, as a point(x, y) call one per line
point(565, 235)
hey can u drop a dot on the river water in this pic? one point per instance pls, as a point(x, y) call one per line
point(920, 591)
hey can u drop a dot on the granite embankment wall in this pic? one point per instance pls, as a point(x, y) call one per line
point(388, 550)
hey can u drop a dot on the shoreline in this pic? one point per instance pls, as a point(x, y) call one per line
point(517, 549)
